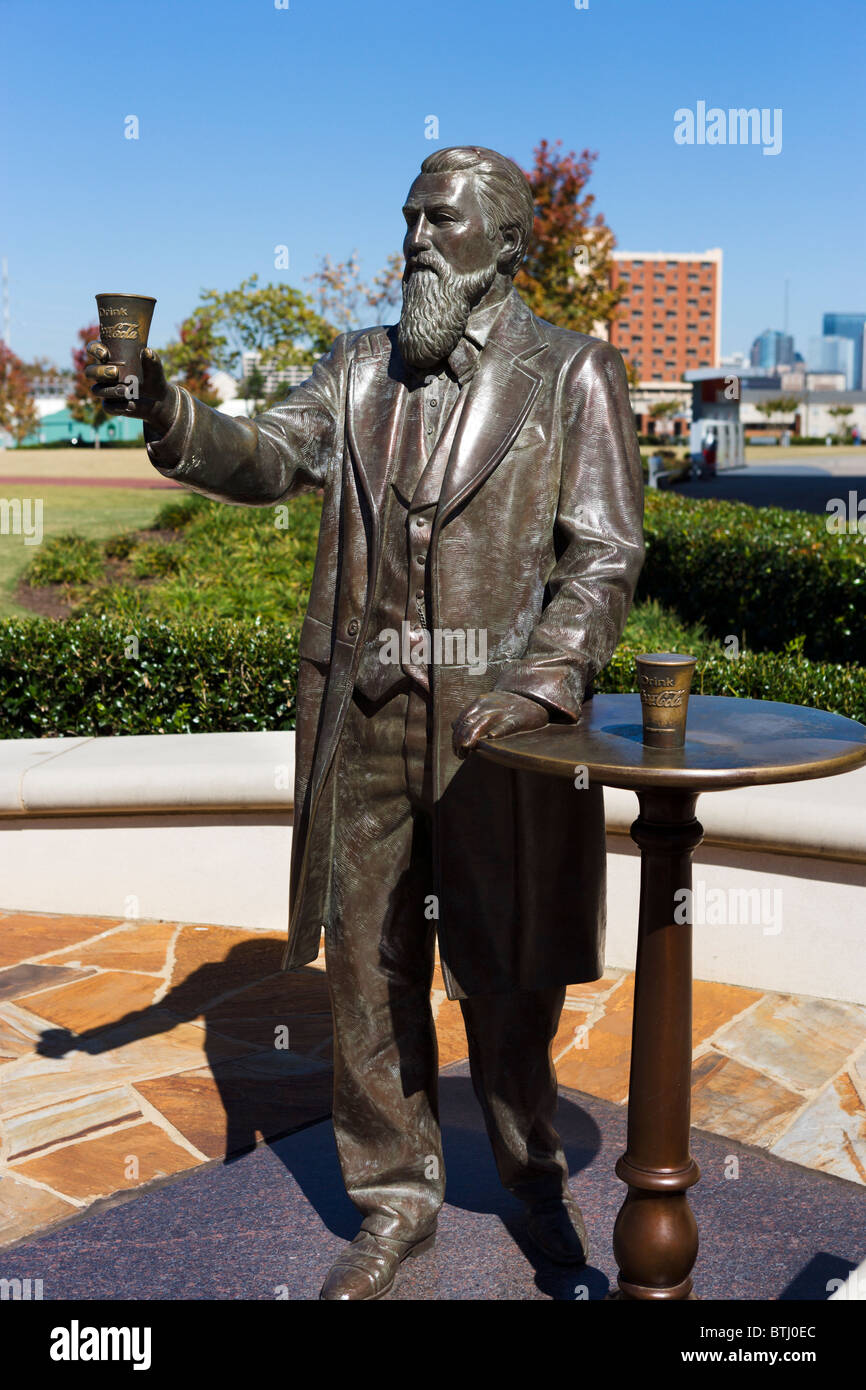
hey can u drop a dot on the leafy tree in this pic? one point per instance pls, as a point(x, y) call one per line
point(386, 290)
point(188, 361)
point(278, 322)
point(81, 402)
point(346, 300)
point(566, 276)
point(660, 409)
point(841, 413)
point(779, 405)
point(18, 412)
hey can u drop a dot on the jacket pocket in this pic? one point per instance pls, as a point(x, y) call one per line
point(314, 643)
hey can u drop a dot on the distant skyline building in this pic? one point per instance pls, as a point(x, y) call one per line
point(734, 359)
point(670, 319)
point(772, 349)
point(852, 326)
point(833, 353)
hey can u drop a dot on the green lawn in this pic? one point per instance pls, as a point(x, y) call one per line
point(90, 511)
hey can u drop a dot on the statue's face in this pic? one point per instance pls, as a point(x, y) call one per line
point(450, 265)
point(443, 215)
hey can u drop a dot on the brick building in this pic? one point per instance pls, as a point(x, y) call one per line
point(669, 321)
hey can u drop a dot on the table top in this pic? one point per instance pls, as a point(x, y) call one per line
point(730, 742)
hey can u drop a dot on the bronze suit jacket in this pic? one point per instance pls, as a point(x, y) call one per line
point(538, 540)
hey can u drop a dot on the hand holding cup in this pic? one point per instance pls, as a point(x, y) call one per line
point(127, 375)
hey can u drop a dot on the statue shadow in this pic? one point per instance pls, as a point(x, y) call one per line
point(266, 1044)
point(283, 1093)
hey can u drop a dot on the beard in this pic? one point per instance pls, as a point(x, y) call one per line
point(436, 305)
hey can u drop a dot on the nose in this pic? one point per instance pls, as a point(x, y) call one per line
point(417, 237)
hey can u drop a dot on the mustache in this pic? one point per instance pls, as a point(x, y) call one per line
point(426, 260)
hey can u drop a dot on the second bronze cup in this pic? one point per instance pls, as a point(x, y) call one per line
point(664, 680)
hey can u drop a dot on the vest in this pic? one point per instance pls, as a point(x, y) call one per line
point(395, 648)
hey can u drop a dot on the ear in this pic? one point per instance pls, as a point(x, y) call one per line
point(510, 240)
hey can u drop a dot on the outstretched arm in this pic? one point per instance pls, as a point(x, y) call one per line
point(283, 451)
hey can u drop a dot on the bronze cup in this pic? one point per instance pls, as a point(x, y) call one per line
point(664, 680)
point(124, 323)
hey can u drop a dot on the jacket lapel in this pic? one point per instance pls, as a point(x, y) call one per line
point(376, 409)
point(499, 398)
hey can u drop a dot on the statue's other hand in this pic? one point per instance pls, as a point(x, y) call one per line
point(150, 399)
point(494, 716)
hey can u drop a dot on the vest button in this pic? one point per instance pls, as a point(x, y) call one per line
point(421, 559)
point(353, 627)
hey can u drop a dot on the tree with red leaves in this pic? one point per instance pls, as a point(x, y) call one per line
point(565, 277)
point(18, 412)
point(189, 361)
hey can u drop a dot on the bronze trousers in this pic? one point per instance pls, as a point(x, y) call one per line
point(380, 955)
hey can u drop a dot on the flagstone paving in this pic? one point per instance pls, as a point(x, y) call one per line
point(132, 1050)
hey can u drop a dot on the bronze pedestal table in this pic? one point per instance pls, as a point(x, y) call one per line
point(729, 743)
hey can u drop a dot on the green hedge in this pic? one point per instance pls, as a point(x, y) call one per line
point(84, 677)
point(787, 677)
point(101, 676)
point(763, 574)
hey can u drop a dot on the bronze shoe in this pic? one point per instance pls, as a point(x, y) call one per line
point(367, 1267)
point(558, 1229)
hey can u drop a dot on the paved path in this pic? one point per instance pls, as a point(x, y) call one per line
point(269, 1224)
point(169, 1056)
point(804, 485)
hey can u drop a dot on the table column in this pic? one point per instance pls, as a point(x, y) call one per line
point(655, 1238)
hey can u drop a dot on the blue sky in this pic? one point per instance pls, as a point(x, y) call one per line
point(304, 126)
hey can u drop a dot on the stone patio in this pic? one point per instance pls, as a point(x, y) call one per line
point(133, 1050)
